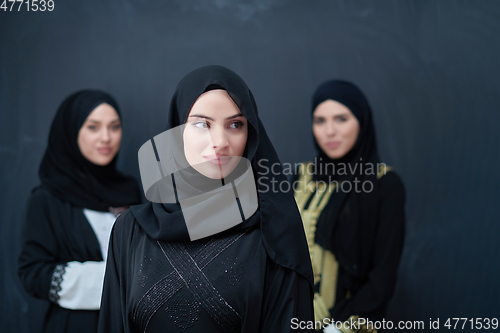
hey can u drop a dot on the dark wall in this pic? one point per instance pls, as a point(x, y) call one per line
point(430, 69)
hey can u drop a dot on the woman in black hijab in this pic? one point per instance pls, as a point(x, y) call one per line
point(215, 251)
point(70, 215)
point(352, 208)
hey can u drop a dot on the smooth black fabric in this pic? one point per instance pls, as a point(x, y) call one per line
point(370, 292)
point(68, 174)
point(56, 232)
point(364, 230)
point(277, 281)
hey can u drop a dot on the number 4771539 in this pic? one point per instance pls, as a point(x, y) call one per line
point(473, 323)
point(28, 5)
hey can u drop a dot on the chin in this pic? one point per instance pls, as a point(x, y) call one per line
point(211, 175)
point(215, 173)
point(208, 171)
point(102, 161)
point(335, 156)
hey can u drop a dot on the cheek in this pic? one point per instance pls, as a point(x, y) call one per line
point(351, 133)
point(239, 143)
point(85, 141)
point(194, 142)
point(118, 137)
point(317, 133)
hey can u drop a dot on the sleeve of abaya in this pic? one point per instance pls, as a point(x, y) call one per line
point(113, 314)
point(37, 263)
point(376, 293)
point(287, 300)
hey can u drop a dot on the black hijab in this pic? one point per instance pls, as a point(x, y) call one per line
point(277, 214)
point(348, 222)
point(67, 174)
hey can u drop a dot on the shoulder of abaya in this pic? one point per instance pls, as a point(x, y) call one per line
point(124, 221)
point(43, 195)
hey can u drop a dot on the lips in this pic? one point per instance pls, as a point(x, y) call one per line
point(105, 150)
point(333, 144)
point(218, 159)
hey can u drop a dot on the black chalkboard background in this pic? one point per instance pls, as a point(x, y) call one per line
point(430, 69)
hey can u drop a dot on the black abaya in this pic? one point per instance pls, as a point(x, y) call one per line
point(143, 292)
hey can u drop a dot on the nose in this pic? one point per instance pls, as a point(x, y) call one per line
point(105, 137)
point(219, 138)
point(331, 129)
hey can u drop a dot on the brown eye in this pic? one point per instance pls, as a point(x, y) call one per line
point(92, 127)
point(236, 125)
point(318, 121)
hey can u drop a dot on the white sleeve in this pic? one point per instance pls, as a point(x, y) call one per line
point(81, 285)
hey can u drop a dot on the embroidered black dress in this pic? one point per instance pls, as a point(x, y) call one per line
point(225, 283)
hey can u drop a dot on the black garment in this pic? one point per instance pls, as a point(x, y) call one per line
point(370, 292)
point(272, 246)
point(68, 174)
point(143, 293)
point(364, 230)
point(367, 295)
point(56, 232)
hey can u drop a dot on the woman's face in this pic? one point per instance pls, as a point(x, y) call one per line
point(335, 128)
point(100, 136)
point(215, 134)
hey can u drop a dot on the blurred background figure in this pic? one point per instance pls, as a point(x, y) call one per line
point(70, 214)
point(352, 207)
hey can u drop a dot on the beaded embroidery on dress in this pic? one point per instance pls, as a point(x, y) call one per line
point(189, 289)
point(151, 268)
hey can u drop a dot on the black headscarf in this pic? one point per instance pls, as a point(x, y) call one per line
point(67, 174)
point(277, 215)
point(347, 224)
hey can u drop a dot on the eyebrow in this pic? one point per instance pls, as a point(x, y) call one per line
point(98, 122)
point(336, 116)
point(212, 119)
